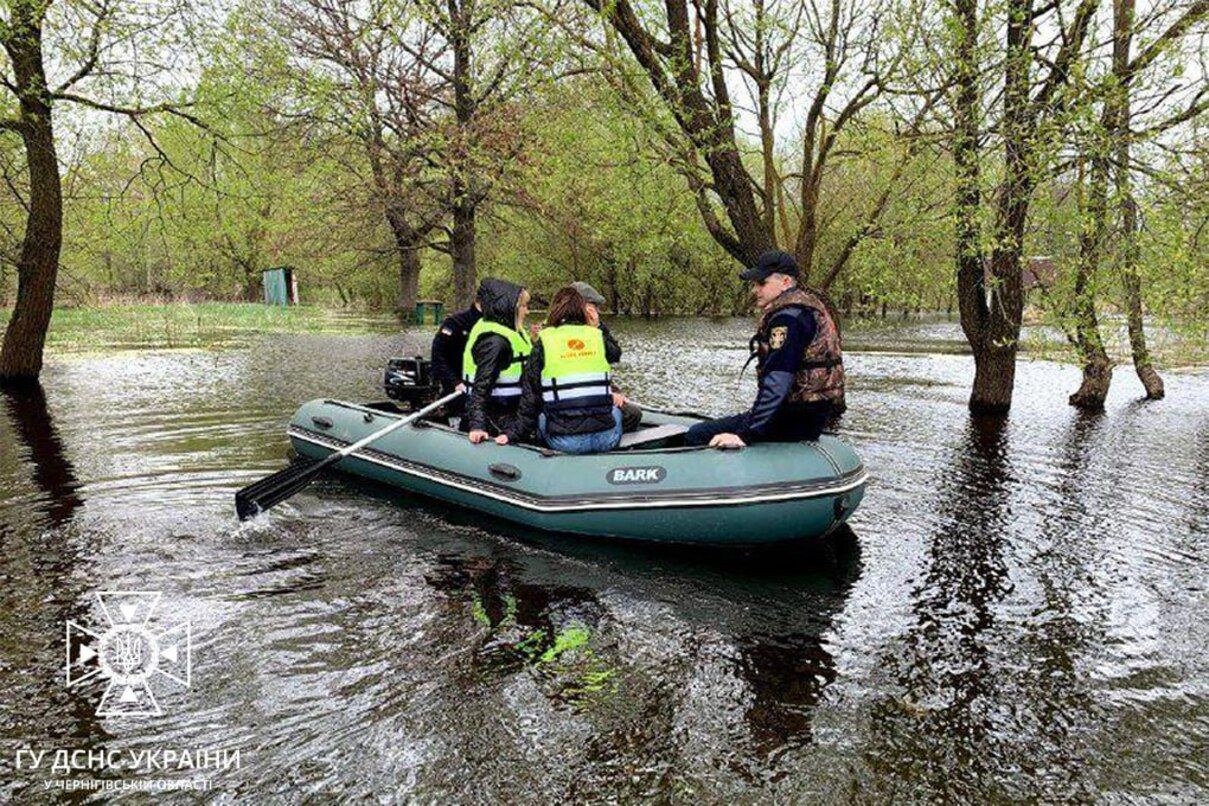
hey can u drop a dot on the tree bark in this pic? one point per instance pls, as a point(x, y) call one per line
point(994, 366)
point(461, 248)
point(38, 263)
point(407, 245)
point(465, 198)
point(991, 298)
point(707, 123)
point(1120, 97)
point(1097, 369)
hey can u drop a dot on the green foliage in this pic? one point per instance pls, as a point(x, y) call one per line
point(591, 193)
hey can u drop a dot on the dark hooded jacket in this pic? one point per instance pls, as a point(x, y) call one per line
point(492, 354)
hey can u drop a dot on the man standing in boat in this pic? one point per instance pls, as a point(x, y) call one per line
point(799, 363)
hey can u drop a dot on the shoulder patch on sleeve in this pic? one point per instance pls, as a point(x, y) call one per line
point(777, 337)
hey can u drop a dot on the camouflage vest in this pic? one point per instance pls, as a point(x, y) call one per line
point(820, 374)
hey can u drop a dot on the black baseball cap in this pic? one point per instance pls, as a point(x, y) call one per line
point(773, 261)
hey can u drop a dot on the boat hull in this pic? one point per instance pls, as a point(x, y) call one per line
point(762, 494)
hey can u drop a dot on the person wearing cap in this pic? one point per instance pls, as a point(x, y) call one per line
point(631, 412)
point(799, 363)
point(567, 398)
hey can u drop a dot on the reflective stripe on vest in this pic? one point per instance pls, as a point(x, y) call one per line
point(508, 384)
point(575, 372)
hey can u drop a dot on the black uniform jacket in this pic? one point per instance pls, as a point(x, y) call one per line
point(448, 346)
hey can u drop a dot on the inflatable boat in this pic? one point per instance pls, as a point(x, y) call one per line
point(651, 488)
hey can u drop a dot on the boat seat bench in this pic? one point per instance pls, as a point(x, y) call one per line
point(644, 436)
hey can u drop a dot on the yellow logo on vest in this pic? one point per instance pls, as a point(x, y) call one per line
point(577, 348)
point(777, 337)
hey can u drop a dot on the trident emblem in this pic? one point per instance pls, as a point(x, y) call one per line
point(129, 653)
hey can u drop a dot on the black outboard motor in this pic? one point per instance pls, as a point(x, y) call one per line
point(409, 381)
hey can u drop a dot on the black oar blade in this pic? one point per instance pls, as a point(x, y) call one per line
point(271, 490)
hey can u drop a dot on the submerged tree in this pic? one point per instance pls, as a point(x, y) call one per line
point(1119, 120)
point(353, 85)
point(990, 288)
point(93, 56)
point(425, 92)
point(1109, 151)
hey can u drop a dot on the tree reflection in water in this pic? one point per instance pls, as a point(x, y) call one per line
point(39, 562)
point(755, 643)
point(37, 438)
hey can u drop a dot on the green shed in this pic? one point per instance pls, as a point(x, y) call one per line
point(280, 286)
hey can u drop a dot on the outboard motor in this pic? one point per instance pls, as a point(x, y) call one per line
point(409, 381)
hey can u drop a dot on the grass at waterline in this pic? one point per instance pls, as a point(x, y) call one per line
point(180, 324)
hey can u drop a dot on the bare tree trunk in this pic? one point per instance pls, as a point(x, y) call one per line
point(965, 151)
point(991, 302)
point(408, 242)
point(611, 279)
point(971, 272)
point(1097, 369)
point(706, 122)
point(461, 247)
point(991, 306)
point(409, 278)
point(465, 200)
point(38, 264)
point(1142, 363)
point(1120, 97)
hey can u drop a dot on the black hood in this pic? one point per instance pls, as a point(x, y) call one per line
point(499, 299)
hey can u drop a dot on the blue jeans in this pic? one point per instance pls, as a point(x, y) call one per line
point(593, 442)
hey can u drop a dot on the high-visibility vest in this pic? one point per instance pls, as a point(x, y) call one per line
point(575, 372)
point(508, 384)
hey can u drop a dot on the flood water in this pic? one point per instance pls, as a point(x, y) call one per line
point(1019, 612)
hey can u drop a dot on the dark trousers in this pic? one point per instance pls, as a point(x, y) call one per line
point(703, 432)
point(801, 422)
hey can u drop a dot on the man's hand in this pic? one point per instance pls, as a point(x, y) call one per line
point(592, 315)
point(460, 388)
point(477, 436)
point(502, 439)
point(619, 400)
point(727, 441)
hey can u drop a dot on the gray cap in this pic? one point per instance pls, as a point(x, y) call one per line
point(588, 292)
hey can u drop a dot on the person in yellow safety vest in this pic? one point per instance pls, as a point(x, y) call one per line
point(631, 412)
point(566, 391)
point(496, 350)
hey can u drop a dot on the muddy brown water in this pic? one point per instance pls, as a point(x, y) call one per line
point(1018, 613)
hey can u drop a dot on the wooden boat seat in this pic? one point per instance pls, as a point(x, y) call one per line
point(644, 436)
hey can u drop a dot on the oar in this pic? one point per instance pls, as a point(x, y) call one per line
point(272, 490)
